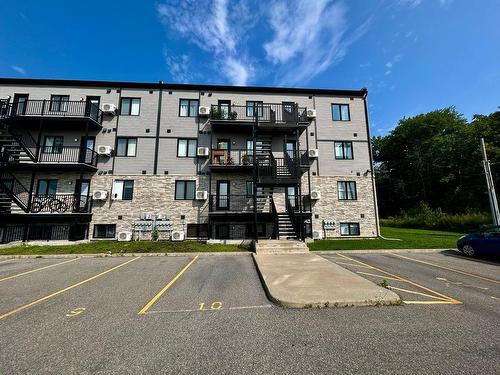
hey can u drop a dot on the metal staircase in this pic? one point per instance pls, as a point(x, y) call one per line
point(11, 187)
point(16, 146)
point(286, 228)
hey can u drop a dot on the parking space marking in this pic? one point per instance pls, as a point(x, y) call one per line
point(498, 299)
point(355, 265)
point(75, 312)
point(6, 260)
point(414, 292)
point(37, 269)
point(210, 310)
point(55, 294)
point(446, 299)
point(148, 305)
point(447, 268)
point(381, 276)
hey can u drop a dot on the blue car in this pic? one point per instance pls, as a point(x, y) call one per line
point(485, 241)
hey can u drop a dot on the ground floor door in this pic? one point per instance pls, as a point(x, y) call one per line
point(82, 199)
point(222, 195)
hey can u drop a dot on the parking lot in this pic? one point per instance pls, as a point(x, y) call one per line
point(210, 314)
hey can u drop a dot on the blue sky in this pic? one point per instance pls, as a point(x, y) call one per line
point(412, 55)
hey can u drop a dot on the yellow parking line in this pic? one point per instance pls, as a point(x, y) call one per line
point(63, 290)
point(455, 302)
point(414, 292)
point(148, 305)
point(6, 260)
point(403, 279)
point(37, 269)
point(448, 268)
point(381, 276)
point(354, 265)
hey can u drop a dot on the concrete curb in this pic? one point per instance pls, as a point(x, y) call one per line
point(380, 251)
point(390, 298)
point(63, 256)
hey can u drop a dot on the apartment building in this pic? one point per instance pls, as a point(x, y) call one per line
point(126, 160)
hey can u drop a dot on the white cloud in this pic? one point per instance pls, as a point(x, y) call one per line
point(19, 69)
point(179, 67)
point(388, 72)
point(215, 27)
point(308, 37)
point(411, 3)
point(388, 65)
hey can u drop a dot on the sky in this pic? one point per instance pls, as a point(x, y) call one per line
point(414, 56)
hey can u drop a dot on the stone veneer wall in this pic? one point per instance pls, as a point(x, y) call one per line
point(152, 194)
point(329, 207)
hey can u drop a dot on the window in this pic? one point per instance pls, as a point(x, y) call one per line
point(59, 103)
point(186, 148)
point(126, 146)
point(343, 150)
point(340, 112)
point(349, 229)
point(347, 190)
point(252, 105)
point(188, 107)
point(249, 188)
point(249, 147)
point(185, 190)
point(104, 230)
point(53, 145)
point(130, 106)
point(46, 187)
point(197, 230)
point(123, 190)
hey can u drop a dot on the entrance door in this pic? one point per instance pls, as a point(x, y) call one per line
point(86, 146)
point(225, 108)
point(20, 104)
point(291, 196)
point(82, 200)
point(291, 148)
point(223, 195)
point(92, 106)
point(289, 112)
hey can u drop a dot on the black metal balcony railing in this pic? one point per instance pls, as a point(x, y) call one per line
point(273, 113)
point(52, 108)
point(239, 203)
point(68, 154)
point(61, 203)
point(222, 157)
point(278, 168)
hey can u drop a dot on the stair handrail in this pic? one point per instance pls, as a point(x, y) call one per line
point(274, 212)
point(26, 141)
point(16, 190)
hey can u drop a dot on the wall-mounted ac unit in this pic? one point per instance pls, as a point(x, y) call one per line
point(317, 234)
point(315, 194)
point(177, 235)
point(146, 216)
point(100, 195)
point(124, 236)
point(203, 110)
point(202, 151)
point(201, 194)
point(109, 108)
point(311, 113)
point(313, 153)
point(161, 217)
point(104, 150)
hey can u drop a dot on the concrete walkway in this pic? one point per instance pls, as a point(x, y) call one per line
point(308, 280)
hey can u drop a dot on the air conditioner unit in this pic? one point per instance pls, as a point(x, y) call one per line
point(201, 194)
point(100, 195)
point(311, 113)
point(104, 150)
point(203, 110)
point(109, 108)
point(146, 216)
point(317, 234)
point(124, 236)
point(315, 194)
point(161, 217)
point(177, 235)
point(313, 153)
point(202, 151)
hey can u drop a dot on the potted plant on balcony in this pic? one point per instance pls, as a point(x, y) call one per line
point(245, 159)
point(216, 113)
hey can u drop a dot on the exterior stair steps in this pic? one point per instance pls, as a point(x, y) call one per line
point(286, 229)
point(280, 247)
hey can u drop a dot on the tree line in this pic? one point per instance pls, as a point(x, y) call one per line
point(435, 159)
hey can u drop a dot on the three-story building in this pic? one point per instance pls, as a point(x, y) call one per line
point(94, 159)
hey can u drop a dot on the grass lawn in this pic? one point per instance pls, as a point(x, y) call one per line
point(411, 239)
point(115, 247)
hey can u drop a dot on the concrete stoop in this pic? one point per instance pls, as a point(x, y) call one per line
point(308, 280)
point(280, 247)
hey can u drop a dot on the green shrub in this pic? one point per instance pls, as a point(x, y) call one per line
point(425, 217)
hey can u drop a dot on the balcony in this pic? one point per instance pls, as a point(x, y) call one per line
point(224, 205)
point(223, 160)
point(278, 171)
point(272, 118)
point(61, 204)
point(51, 109)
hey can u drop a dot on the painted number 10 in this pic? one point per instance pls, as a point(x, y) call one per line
point(213, 306)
